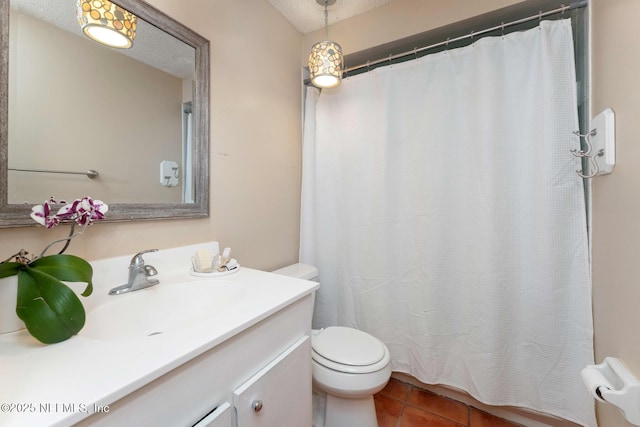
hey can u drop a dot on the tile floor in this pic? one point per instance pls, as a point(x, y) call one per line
point(403, 405)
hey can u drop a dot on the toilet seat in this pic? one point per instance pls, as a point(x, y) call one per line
point(349, 350)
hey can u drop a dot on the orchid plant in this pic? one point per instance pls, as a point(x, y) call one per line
point(50, 310)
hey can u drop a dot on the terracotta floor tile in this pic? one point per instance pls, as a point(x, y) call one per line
point(387, 410)
point(448, 408)
point(396, 389)
point(415, 417)
point(482, 419)
point(402, 405)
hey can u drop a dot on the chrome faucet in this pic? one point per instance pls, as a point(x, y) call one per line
point(139, 274)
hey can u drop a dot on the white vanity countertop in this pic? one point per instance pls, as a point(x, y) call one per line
point(60, 384)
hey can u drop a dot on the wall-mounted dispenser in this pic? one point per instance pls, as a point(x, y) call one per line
point(612, 382)
point(169, 173)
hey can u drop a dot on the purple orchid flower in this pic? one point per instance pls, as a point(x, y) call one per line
point(83, 211)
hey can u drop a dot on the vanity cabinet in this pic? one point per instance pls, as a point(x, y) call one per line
point(269, 361)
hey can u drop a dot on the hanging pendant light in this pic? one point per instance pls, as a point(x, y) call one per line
point(325, 60)
point(107, 23)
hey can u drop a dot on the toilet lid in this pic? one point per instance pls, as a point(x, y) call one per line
point(348, 346)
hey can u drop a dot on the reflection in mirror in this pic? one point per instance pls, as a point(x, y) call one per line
point(138, 116)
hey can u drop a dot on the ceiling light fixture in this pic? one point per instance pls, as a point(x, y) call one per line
point(325, 60)
point(107, 23)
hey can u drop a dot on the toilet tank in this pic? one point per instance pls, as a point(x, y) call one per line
point(300, 271)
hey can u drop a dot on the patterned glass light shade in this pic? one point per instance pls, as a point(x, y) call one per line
point(107, 23)
point(326, 64)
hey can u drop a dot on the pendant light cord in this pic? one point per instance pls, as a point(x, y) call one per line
point(326, 20)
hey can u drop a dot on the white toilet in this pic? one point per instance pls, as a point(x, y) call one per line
point(348, 366)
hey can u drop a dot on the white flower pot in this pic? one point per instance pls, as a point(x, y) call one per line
point(9, 320)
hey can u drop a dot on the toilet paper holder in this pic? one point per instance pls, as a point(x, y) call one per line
point(612, 382)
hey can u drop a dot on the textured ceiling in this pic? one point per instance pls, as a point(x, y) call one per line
point(308, 16)
point(151, 46)
point(154, 47)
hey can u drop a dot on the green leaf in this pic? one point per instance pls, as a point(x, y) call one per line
point(69, 268)
point(9, 269)
point(50, 310)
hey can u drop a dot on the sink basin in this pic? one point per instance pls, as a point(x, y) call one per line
point(161, 308)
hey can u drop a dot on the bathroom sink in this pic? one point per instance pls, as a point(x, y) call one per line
point(160, 309)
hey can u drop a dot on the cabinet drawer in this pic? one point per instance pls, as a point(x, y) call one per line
point(220, 417)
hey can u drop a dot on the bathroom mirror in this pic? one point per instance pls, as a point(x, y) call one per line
point(139, 116)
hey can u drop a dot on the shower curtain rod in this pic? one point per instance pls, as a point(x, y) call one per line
point(540, 15)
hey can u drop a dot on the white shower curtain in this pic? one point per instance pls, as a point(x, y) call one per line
point(443, 211)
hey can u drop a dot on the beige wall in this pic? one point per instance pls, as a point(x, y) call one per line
point(616, 197)
point(399, 19)
point(255, 145)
